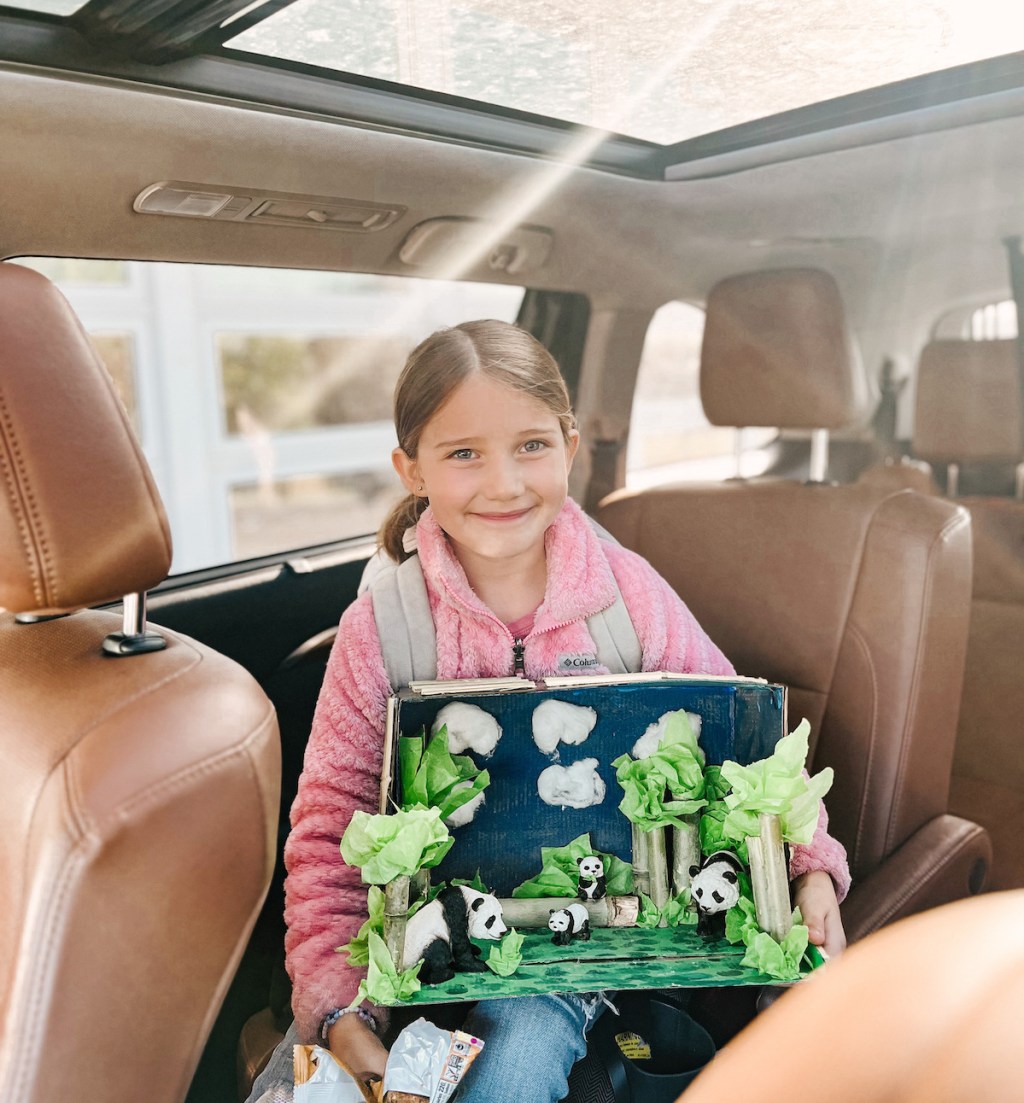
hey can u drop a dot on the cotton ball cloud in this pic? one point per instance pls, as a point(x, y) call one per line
point(557, 722)
point(575, 786)
point(647, 744)
point(464, 813)
point(469, 728)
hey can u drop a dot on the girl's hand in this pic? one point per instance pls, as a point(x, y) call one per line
point(356, 1044)
point(815, 896)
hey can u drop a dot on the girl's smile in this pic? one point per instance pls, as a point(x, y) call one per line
point(494, 464)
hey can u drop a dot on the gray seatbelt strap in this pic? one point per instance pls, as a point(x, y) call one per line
point(408, 643)
point(615, 640)
point(616, 643)
point(405, 626)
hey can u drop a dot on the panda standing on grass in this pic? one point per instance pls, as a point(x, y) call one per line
point(569, 923)
point(714, 889)
point(440, 933)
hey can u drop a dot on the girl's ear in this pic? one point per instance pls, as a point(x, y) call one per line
point(408, 471)
point(571, 447)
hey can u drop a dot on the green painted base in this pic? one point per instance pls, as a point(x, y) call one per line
point(615, 959)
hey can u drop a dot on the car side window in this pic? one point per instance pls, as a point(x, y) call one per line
point(262, 397)
point(670, 439)
point(991, 322)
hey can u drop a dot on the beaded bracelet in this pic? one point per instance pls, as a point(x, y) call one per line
point(331, 1018)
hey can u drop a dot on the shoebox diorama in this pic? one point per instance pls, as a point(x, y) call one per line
point(583, 833)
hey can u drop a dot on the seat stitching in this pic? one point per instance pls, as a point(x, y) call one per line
point(187, 774)
point(955, 523)
point(123, 703)
point(76, 856)
point(24, 506)
point(940, 860)
point(44, 961)
point(858, 638)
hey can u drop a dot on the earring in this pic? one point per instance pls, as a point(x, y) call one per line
point(419, 489)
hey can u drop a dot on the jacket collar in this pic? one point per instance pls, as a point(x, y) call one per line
point(579, 584)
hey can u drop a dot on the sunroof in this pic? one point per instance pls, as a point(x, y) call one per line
point(662, 71)
point(50, 7)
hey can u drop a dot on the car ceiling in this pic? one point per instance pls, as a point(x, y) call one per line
point(907, 224)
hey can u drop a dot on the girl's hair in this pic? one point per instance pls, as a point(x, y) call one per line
point(505, 353)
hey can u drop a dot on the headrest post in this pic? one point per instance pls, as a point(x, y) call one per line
point(1019, 488)
point(133, 639)
point(819, 456)
point(952, 480)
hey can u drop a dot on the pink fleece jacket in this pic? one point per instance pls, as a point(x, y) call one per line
point(325, 900)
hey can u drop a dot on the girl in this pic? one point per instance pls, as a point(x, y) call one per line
point(486, 441)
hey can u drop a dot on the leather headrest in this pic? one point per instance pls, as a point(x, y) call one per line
point(81, 521)
point(777, 352)
point(968, 403)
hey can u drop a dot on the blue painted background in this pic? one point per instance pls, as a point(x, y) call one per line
point(741, 722)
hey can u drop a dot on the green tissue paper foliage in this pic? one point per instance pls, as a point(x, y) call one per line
point(506, 955)
point(649, 914)
point(776, 785)
point(383, 983)
point(358, 949)
point(781, 960)
point(713, 836)
point(668, 784)
point(559, 875)
point(396, 845)
point(432, 777)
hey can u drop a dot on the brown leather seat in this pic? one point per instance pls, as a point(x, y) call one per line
point(968, 414)
point(926, 1011)
point(140, 792)
point(855, 596)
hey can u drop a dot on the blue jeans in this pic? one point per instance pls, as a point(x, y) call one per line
point(530, 1046)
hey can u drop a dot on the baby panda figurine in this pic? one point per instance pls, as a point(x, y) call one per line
point(714, 889)
point(440, 933)
point(569, 923)
point(592, 880)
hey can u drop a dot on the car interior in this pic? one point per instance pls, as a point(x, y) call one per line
point(791, 343)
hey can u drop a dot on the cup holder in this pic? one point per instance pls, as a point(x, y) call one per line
point(652, 1049)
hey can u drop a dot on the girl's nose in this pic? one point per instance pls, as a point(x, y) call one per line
point(504, 480)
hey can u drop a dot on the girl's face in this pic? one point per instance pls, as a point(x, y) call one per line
point(495, 466)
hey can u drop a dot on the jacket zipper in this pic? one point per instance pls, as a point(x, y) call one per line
point(518, 644)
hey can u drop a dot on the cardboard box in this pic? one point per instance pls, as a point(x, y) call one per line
point(742, 720)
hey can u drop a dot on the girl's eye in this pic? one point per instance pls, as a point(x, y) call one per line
point(535, 445)
point(461, 454)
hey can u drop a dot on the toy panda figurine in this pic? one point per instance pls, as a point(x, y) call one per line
point(714, 889)
point(440, 931)
point(569, 923)
point(592, 881)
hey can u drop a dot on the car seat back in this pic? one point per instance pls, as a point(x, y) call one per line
point(855, 597)
point(140, 790)
point(968, 418)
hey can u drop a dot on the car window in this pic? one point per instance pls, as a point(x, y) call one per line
point(262, 397)
point(670, 439)
point(990, 322)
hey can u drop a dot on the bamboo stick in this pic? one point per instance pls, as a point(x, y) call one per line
point(657, 858)
point(769, 879)
point(396, 916)
point(685, 851)
point(419, 886)
point(641, 862)
point(611, 911)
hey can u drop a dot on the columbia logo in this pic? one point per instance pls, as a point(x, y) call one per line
point(577, 662)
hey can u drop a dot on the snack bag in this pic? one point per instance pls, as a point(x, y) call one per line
point(427, 1063)
point(320, 1079)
